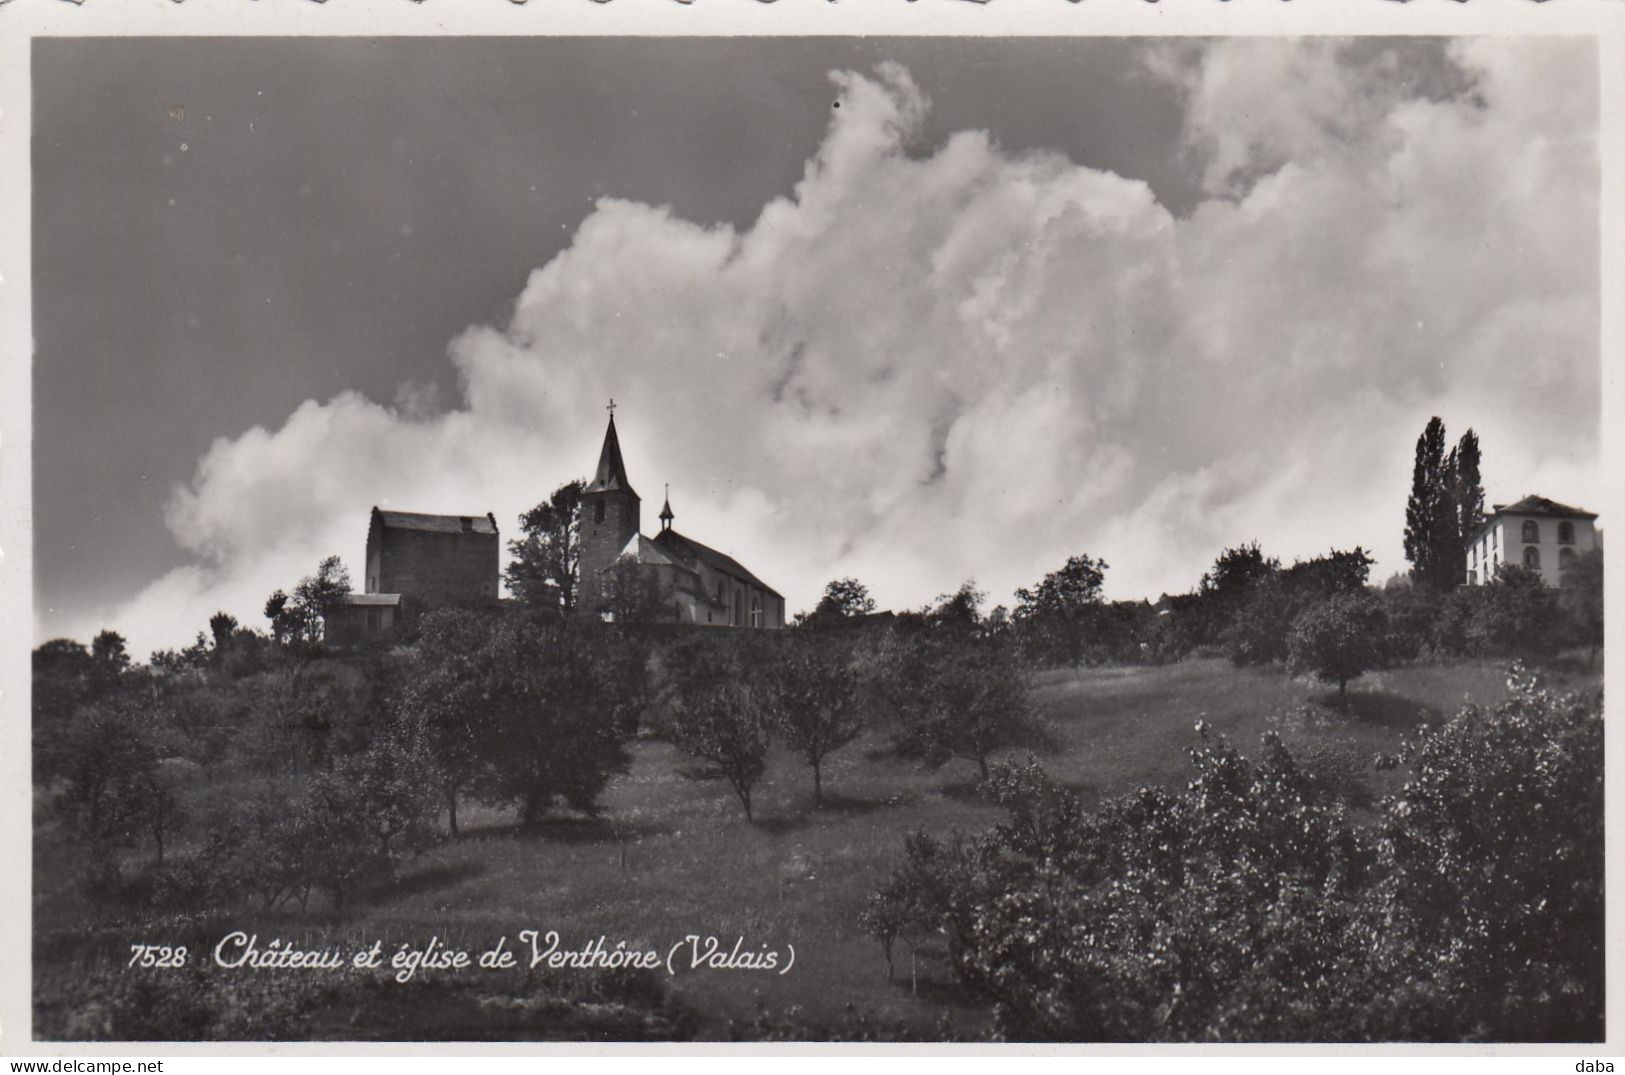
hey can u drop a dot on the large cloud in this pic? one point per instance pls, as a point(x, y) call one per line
point(921, 367)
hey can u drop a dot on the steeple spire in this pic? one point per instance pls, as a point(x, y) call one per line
point(666, 515)
point(611, 473)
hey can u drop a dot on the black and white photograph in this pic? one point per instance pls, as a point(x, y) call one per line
point(811, 538)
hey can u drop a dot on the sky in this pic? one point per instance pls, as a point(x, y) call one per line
point(912, 310)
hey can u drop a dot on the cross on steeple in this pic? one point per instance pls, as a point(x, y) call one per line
point(611, 407)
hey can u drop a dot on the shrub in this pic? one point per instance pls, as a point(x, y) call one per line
point(1250, 906)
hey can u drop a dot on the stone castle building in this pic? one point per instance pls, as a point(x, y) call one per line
point(417, 562)
point(698, 584)
point(1540, 534)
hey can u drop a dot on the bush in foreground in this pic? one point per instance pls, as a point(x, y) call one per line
point(1251, 907)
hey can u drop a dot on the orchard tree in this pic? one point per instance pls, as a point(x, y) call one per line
point(546, 563)
point(1339, 639)
point(390, 788)
point(954, 695)
point(1057, 615)
point(444, 698)
point(560, 710)
point(815, 692)
point(719, 714)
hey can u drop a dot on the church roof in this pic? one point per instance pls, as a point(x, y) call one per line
point(686, 551)
point(611, 473)
point(645, 551)
point(440, 524)
point(1539, 505)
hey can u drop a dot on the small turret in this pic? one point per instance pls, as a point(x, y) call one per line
point(666, 515)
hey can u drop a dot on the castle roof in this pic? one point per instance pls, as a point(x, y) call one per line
point(687, 551)
point(1539, 505)
point(370, 599)
point(440, 524)
point(611, 473)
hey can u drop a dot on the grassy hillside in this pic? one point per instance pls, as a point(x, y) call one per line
point(671, 855)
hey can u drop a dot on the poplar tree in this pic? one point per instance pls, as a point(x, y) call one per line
point(1445, 508)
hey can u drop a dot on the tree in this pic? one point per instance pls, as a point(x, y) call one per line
point(445, 699)
point(284, 623)
point(958, 611)
point(1235, 571)
point(105, 760)
point(719, 715)
point(634, 595)
point(844, 599)
point(1259, 624)
point(317, 595)
point(1581, 600)
point(1515, 615)
point(558, 709)
point(1446, 506)
point(1057, 615)
point(1467, 490)
point(222, 626)
point(814, 690)
point(109, 654)
point(1224, 587)
point(545, 568)
point(390, 788)
point(913, 903)
point(299, 619)
point(955, 695)
point(1339, 639)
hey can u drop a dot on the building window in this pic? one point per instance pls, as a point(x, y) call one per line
point(1565, 559)
point(739, 607)
point(1472, 578)
point(1531, 531)
point(1565, 533)
point(597, 511)
point(1531, 558)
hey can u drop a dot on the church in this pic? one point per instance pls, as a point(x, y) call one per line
point(700, 585)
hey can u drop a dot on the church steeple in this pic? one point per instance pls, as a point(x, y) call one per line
point(666, 515)
point(609, 521)
point(611, 473)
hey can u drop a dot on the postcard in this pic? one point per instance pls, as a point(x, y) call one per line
point(713, 524)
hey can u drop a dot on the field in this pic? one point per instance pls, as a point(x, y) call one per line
point(671, 855)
